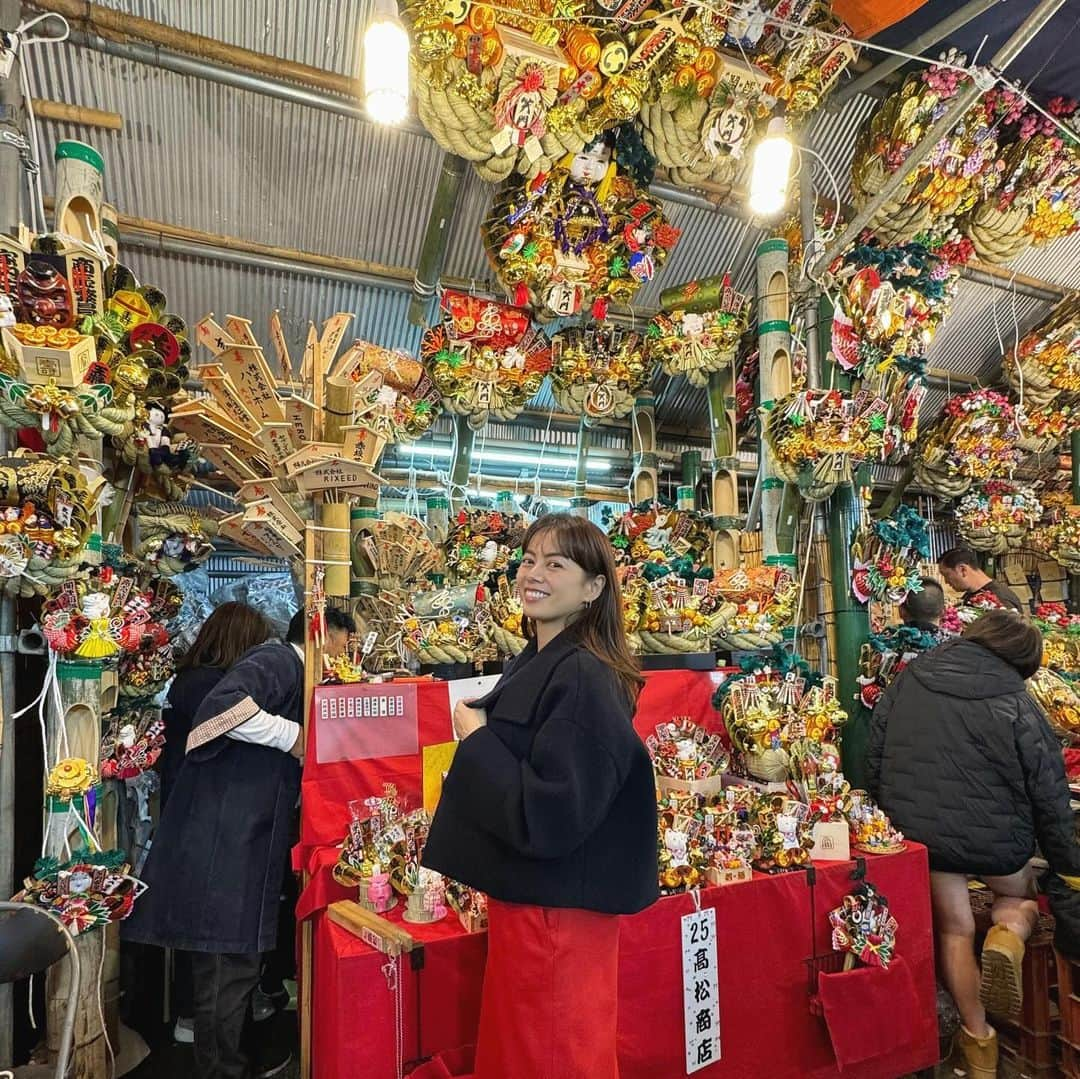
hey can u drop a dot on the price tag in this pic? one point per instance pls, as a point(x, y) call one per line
point(701, 992)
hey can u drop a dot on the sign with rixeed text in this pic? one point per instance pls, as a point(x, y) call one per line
point(701, 990)
point(365, 722)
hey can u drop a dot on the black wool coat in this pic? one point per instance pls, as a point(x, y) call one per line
point(220, 852)
point(553, 802)
point(186, 695)
point(963, 760)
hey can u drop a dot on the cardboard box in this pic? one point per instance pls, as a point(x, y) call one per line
point(832, 842)
point(65, 366)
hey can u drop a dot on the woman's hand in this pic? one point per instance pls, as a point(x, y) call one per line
point(467, 720)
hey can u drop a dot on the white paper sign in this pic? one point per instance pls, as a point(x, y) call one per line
point(469, 689)
point(701, 991)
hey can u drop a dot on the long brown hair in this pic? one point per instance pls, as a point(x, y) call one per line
point(599, 627)
point(1011, 637)
point(225, 636)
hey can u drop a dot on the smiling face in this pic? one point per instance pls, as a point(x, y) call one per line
point(553, 587)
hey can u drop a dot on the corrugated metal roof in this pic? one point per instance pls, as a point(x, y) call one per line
point(969, 340)
point(322, 33)
point(237, 163)
point(196, 286)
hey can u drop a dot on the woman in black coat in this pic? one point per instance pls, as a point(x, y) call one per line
point(550, 808)
point(963, 760)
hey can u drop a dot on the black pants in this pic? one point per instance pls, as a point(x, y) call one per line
point(223, 986)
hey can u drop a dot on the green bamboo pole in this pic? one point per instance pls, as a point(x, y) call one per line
point(464, 439)
point(646, 479)
point(774, 371)
point(852, 622)
point(579, 504)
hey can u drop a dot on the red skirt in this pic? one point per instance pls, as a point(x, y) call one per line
point(550, 996)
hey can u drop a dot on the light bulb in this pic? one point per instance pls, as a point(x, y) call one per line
point(386, 66)
point(772, 164)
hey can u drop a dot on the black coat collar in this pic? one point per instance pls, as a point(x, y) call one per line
point(517, 693)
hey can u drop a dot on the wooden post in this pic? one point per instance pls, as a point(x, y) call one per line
point(645, 483)
point(774, 370)
point(312, 670)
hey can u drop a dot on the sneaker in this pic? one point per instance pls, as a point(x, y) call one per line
point(184, 1031)
point(1002, 989)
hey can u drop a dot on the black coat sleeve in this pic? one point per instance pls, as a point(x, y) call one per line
point(546, 805)
point(879, 724)
point(1047, 789)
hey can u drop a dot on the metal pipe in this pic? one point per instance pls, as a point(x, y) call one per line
point(1021, 288)
point(168, 246)
point(436, 237)
point(11, 173)
point(959, 105)
point(926, 40)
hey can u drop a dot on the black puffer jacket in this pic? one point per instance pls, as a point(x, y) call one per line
point(963, 761)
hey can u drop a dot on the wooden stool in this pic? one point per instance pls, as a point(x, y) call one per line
point(1030, 1039)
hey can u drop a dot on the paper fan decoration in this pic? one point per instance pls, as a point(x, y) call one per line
point(598, 371)
point(485, 357)
point(864, 928)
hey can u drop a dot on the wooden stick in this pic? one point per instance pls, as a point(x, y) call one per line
point(77, 114)
point(116, 25)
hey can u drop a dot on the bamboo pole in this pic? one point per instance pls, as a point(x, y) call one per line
point(115, 25)
point(645, 482)
point(579, 502)
point(77, 114)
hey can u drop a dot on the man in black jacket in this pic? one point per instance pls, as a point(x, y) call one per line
point(961, 570)
point(963, 761)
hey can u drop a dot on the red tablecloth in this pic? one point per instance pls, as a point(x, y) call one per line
point(763, 944)
point(328, 788)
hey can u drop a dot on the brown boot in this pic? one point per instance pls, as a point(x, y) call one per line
point(981, 1054)
point(1002, 977)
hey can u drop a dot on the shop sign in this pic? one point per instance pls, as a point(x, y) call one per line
point(365, 722)
point(701, 990)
